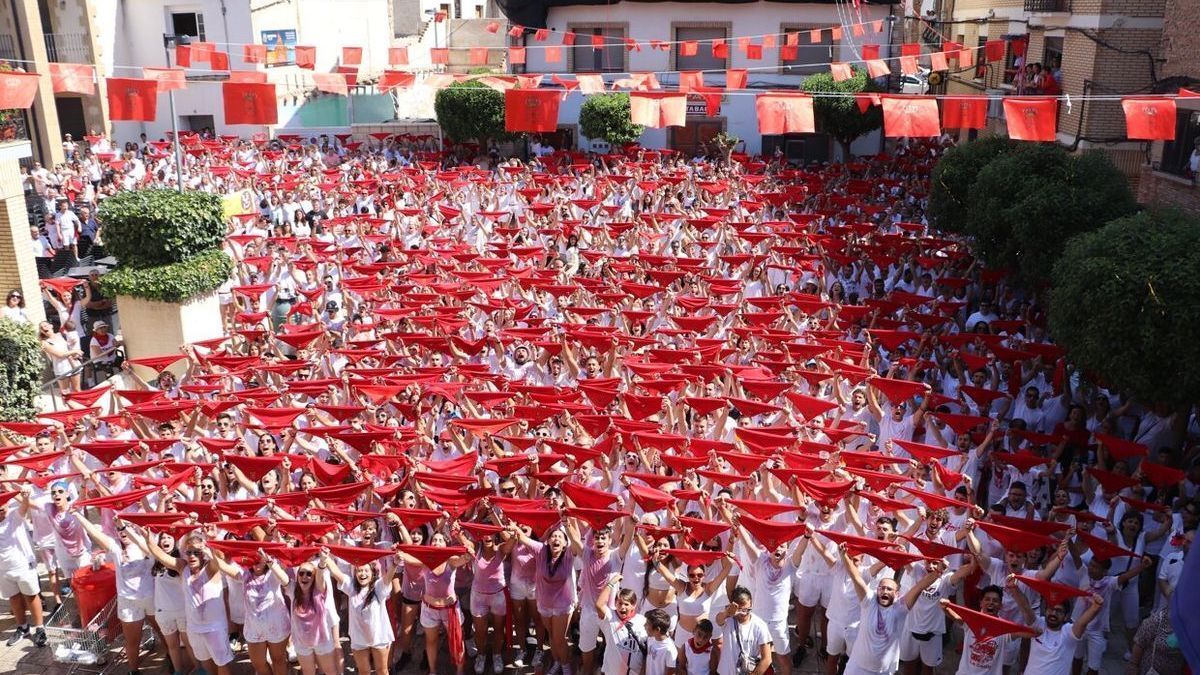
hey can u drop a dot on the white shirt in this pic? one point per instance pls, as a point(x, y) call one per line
point(16, 551)
point(877, 647)
point(629, 641)
point(982, 657)
point(740, 639)
point(1051, 652)
point(660, 655)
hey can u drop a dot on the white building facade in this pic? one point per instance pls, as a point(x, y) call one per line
point(677, 22)
point(133, 31)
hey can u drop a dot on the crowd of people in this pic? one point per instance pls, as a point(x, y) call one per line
point(621, 413)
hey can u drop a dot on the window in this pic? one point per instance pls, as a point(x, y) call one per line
point(981, 63)
point(703, 58)
point(810, 57)
point(188, 23)
point(1177, 153)
point(1052, 55)
point(607, 59)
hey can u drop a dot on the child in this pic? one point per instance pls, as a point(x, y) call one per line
point(661, 653)
point(700, 655)
point(624, 631)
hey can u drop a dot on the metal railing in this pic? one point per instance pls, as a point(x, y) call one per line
point(8, 47)
point(1047, 5)
point(68, 48)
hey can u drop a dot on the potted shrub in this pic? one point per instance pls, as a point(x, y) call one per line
point(168, 245)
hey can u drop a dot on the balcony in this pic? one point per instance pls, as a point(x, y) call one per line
point(1047, 6)
point(8, 50)
point(68, 48)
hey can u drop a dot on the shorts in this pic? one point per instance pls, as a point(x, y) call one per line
point(211, 646)
point(520, 589)
point(46, 553)
point(432, 617)
point(781, 642)
point(589, 631)
point(170, 622)
point(812, 589)
point(270, 629)
point(840, 637)
point(682, 635)
point(132, 610)
point(22, 581)
point(929, 651)
point(320, 649)
point(484, 604)
point(1091, 649)
point(546, 611)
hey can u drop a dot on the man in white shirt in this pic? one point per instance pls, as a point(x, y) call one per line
point(745, 638)
point(18, 569)
point(66, 228)
point(876, 649)
point(1051, 652)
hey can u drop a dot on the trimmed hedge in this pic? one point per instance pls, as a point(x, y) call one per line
point(21, 365)
point(1125, 305)
point(470, 111)
point(176, 282)
point(606, 117)
point(150, 228)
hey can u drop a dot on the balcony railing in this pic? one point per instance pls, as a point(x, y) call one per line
point(68, 48)
point(8, 49)
point(1047, 5)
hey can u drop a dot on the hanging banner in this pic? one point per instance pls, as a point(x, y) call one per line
point(281, 46)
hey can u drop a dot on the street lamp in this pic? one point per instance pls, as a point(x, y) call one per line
point(170, 41)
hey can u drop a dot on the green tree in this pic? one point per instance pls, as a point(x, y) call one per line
point(21, 365)
point(147, 228)
point(168, 244)
point(470, 111)
point(953, 176)
point(838, 114)
point(1025, 205)
point(1126, 305)
point(606, 117)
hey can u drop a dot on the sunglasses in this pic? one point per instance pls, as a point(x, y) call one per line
point(58, 492)
point(696, 576)
point(304, 573)
point(193, 551)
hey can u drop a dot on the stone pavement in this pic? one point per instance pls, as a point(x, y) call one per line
point(25, 659)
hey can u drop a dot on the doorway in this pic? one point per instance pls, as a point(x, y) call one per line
point(70, 116)
point(696, 135)
point(196, 123)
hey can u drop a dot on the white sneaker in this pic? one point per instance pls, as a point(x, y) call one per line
point(480, 664)
point(497, 664)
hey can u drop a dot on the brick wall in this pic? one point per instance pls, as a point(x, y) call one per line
point(1180, 45)
point(1165, 190)
point(1119, 73)
point(17, 267)
point(1134, 7)
point(1078, 66)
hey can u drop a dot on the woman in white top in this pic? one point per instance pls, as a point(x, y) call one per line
point(204, 601)
point(371, 633)
point(693, 596)
point(135, 585)
point(60, 354)
point(14, 307)
point(312, 638)
point(169, 614)
point(267, 626)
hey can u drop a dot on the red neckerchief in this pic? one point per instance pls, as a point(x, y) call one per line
point(707, 648)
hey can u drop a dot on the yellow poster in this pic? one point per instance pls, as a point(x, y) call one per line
point(237, 203)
